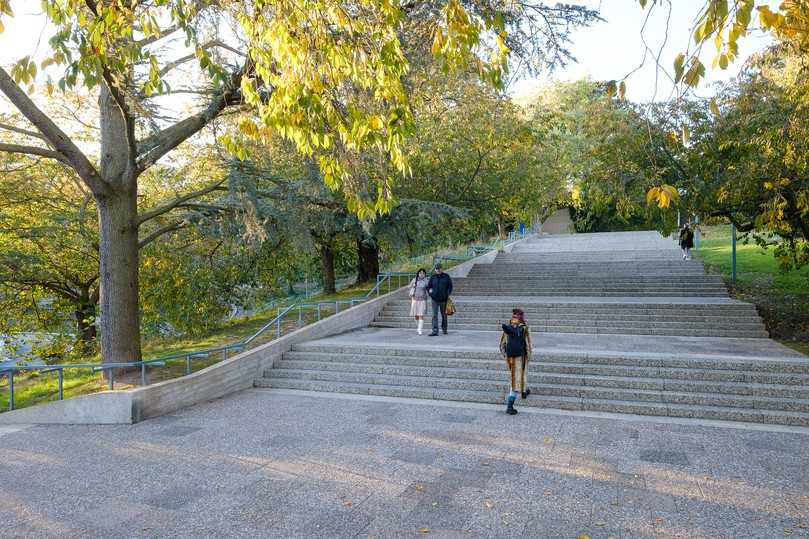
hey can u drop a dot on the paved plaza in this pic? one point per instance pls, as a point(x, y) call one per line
point(274, 463)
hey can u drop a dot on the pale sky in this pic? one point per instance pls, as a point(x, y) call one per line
point(608, 50)
point(612, 49)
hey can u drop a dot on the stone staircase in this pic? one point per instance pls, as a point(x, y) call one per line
point(775, 392)
point(612, 334)
point(694, 319)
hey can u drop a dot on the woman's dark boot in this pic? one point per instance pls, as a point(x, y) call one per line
point(510, 405)
point(526, 392)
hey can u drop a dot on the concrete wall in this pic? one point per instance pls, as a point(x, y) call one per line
point(105, 408)
point(216, 381)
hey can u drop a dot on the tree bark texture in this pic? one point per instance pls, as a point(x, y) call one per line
point(118, 227)
point(327, 259)
point(367, 259)
point(120, 315)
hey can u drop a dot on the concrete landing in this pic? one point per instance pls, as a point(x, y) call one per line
point(592, 345)
point(273, 464)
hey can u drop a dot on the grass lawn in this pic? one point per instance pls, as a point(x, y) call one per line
point(782, 297)
point(753, 263)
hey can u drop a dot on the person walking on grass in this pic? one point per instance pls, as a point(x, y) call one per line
point(439, 288)
point(515, 344)
point(686, 241)
point(418, 298)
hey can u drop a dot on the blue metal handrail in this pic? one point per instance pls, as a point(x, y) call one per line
point(277, 321)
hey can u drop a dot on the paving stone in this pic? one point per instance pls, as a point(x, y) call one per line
point(177, 430)
point(676, 458)
point(548, 476)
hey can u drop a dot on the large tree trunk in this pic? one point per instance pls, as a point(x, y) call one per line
point(118, 249)
point(327, 259)
point(367, 259)
point(118, 246)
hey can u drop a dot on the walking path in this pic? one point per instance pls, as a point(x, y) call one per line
point(280, 464)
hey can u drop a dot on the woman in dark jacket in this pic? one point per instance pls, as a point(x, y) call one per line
point(515, 344)
point(686, 241)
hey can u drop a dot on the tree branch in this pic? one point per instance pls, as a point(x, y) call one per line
point(22, 131)
point(33, 150)
point(156, 146)
point(173, 227)
point(55, 136)
point(167, 207)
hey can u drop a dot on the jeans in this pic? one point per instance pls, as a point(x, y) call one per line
point(442, 307)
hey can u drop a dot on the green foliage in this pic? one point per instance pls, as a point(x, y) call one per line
point(600, 149)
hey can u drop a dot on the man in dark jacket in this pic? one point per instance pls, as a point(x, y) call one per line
point(439, 288)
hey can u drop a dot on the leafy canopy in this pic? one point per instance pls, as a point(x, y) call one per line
point(325, 74)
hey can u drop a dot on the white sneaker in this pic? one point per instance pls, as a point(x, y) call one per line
point(420, 332)
point(684, 257)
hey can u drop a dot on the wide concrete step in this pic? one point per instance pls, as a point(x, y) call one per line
point(528, 287)
point(547, 323)
point(728, 413)
point(476, 317)
point(593, 330)
point(565, 366)
point(508, 273)
point(544, 389)
point(592, 293)
point(668, 360)
point(504, 314)
point(538, 308)
point(539, 376)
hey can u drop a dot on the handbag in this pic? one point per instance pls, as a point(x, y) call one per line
point(450, 310)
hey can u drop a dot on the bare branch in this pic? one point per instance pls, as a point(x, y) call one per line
point(209, 45)
point(177, 202)
point(55, 136)
point(160, 35)
point(22, 131)
point(33, 150)
point(173, 227)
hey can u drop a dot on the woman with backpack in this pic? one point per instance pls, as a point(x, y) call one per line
point(686, 241)
point(418, 298)
point(515, 344)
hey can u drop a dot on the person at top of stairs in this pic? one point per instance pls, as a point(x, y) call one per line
point(686, 241)
point(439, 288)
point(418, 298)
point(515, 344)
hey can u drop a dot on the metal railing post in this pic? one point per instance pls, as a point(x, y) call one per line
point(336, 307)
point(318, 311)
point(278, 326)
point(300, 315)
point(188, 364)
point(733, 252)
point(61, 378)
point(112, 379)
point(143, 374)
point(10, 390)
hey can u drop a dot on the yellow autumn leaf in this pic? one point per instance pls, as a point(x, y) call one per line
point(663, 195)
